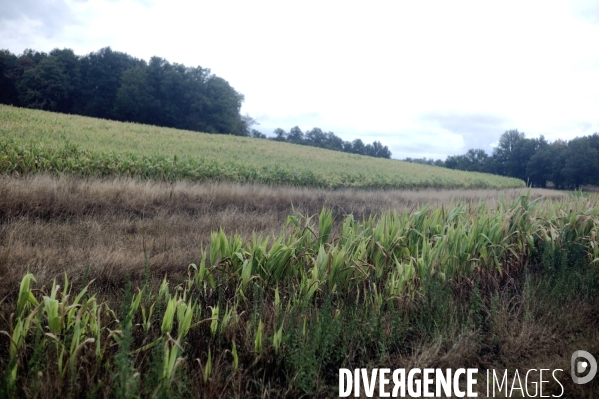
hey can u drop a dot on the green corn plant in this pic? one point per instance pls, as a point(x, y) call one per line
point(95, 327)
point(169, 316)
point(277, 299)
point(215, 321)
point(258, 339)
point(26, 297)
point(325, 224)
point(208, 368)
point(163, 291)
point(79, 339)
point(172, 349)
point(147, 320)
point(229, 318)
point(17, 341)
point(185, 312)
point(55, 320)
point(277, 339)
point(199, 273)
point(135, 301)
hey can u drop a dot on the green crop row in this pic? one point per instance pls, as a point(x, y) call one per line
point(33, 158)
point(33, 141)
point(305, 301)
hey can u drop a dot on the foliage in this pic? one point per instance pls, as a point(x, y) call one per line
point(567, 165)
point(114, 85)
point(305, 305)
point(33, 141)
point(317, 138)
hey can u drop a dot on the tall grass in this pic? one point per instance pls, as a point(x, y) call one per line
point(289, 310)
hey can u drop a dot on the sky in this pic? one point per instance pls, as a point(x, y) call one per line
point(426, 78)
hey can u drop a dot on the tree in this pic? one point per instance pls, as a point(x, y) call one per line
point(378, 150)
point(316, 137)
point(295, 135)
point(222, 110)
point(459, 162)
point(101, 78)
point(334, 142)
point(71, 68)
point(476, 159)
point(280, 134)
point(358, 147)
point(582, 163)
point(8, 88)
point(45, 87)
point(539, 168)
point(134, 100)
point(504, 153)
point(249, 123)
point(257, 134)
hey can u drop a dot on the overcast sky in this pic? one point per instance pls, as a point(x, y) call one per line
point(426, 78)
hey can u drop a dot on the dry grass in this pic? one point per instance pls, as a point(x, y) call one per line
point(103, 229)
point(50, 225)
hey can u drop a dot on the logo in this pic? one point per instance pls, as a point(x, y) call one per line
point(589, 363)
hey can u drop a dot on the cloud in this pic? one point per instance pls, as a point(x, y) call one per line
point(587, 10)
point(478, 130)
point(49, 17)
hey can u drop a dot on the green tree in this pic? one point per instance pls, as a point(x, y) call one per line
point(134, 100)
point(45, 87)
point(280, 134)
point(295, 135)
point(222, 110)
point(71, 68)
point(539, 168)
point(101, 78)
point(8, 88)
point(316, 137)
point(504, 154)
point(257, 134)
point(358, 147)
point(334, 142)
point(582, 163)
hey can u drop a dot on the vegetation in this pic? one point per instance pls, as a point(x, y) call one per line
point(566, 165)
point(114, 85)
point(104, 229)
point(134, 264)
point(34, 141)
point(279, 315)
point(317, 138)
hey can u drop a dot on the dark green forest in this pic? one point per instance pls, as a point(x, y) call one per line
point(113, 85)
point(564, 164)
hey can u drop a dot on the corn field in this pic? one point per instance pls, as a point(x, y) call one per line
point(37, 141)
point(324, 294)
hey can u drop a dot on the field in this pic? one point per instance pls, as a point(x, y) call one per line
point(33, 141)
point(120, 286)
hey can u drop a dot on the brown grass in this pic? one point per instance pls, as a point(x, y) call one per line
point(50, 225)
point(102, 229)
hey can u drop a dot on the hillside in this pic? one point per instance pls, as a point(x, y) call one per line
point(32, 140)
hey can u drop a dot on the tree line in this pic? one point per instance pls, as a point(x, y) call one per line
point(564, 164)
point(329, 140)
point(113, 85)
